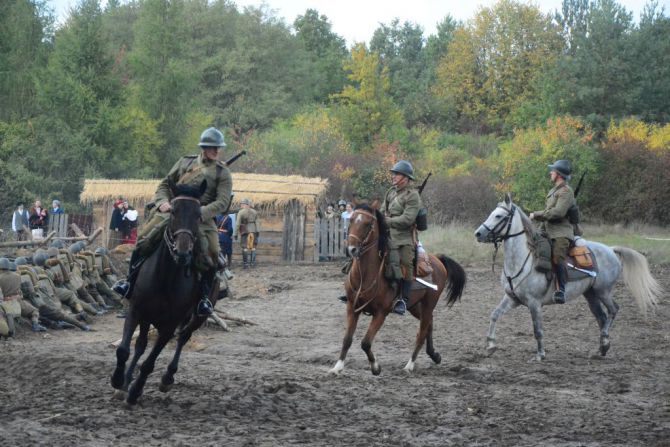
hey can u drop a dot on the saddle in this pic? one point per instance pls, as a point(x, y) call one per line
point(581, 261)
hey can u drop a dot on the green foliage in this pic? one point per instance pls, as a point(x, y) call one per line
point(523, 161)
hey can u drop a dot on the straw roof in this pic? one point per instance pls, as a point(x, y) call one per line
point(263, 190)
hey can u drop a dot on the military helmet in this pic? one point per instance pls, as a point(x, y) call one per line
point(12, 266)
point(562, 167)
point(52, 252)
point(245, 202)
point(4, 264)
point(39, 258)
point(21, 260)
point(75, 248)
point(212, 137)
point(405, 168)
point(101, 251)
point(58, 243)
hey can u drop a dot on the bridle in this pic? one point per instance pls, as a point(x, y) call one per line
point(170, 237)
point(497, 232)
point(365, 244)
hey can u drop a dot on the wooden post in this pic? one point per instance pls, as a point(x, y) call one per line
point(30, 243)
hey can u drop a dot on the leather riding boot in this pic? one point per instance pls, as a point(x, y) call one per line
point(36, 327)
point(400, 306)
point(245, 259)
point(125, 286)
point(205, 307)
point(253, 258)
point(561, 279)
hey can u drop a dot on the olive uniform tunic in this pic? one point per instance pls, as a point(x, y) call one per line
point(192, 170)
point(401, 206)
point(246, 223)
point(555, 222)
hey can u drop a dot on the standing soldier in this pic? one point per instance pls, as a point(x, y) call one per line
point(190, 170)
point(555, 222)
point(401, 206)
point(247, 229)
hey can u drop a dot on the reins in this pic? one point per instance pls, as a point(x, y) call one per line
point(170, 237)
point(365, 246)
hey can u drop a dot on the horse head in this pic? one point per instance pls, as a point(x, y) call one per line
point(498, 225)
point(184, 219)
point(367, 228)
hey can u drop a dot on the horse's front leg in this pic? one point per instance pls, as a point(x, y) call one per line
point(376, 323)
point(135, 391)
point(352, 322)
point(504, 306)
point(140, 347)
point(123, 350)
point(184, 336)
point(426, 320)
point(536, 314)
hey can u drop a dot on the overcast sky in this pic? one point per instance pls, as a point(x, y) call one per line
point(356, 20)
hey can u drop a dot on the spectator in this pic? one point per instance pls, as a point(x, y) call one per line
point(55, 207)
point(330, 212)
point(346, 215)
point(116, 225)
point(224, 225)
point(20, 221)
point(341, 206)
point(39, 217)
point(129, 223)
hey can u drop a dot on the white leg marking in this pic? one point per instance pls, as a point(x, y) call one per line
point(339, 366)
point(410, 366)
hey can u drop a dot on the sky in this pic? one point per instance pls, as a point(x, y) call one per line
point(356, 20)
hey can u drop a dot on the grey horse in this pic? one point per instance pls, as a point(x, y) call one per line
point(522, 284)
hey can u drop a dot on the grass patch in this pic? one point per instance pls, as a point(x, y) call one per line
point(457, 241)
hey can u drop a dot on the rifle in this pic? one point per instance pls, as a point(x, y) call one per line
point(232, 159)
point(423, 184)
point(579, 184)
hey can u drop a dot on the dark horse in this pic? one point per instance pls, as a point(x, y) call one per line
point(165, 295)
point(368, 290)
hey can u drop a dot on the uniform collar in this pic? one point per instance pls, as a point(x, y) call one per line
point(205, 161)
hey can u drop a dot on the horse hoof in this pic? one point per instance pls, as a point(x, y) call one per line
point(130, 405)
point(163, 388)
point(490, 349)
point(119, 394)
point(376, 369)
point(604, 347)
point(337, 369)
point(437, 358)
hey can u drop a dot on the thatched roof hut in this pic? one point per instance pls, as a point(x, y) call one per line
point(286, 204)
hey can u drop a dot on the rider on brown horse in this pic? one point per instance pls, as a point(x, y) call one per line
point(401, 206)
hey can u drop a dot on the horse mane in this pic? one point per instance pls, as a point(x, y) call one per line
point(382, 244)
point(528, 226)
point(187, 190)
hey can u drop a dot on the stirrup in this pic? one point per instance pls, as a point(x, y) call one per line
point(205, 308)
point(400, 307)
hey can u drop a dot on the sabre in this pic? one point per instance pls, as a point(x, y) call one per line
point(592, 274)
point(426, 283)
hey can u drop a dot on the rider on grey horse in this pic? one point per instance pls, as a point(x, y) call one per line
point(555, 223)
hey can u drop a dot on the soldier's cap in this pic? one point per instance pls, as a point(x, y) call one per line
point(52, 252)
point(245, 201)
point(21, 260)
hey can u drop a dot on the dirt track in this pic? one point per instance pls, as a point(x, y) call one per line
point(267, 384)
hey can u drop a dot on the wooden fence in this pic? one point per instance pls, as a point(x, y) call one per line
point(60, 223)
point(330, 236)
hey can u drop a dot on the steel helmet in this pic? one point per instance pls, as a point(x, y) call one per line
point(75, 248)
point(12, 266)
point(4, 264)
point(211, 137)
point(562, 167)
point(52, 252)
point(20, 261)
point(101, 251)
point(405, 168)
point(40, 257)
point(58, 243)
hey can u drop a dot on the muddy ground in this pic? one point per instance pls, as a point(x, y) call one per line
point(266, 384)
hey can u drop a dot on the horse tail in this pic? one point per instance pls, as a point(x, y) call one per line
point(638, 279)
point(456, 279)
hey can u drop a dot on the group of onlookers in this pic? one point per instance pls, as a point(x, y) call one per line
point(123, 224)
point(36, 218)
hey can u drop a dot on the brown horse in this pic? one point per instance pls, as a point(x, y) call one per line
point(368, 290)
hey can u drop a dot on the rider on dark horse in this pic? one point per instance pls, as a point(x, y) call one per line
point(189, 170)
point(555, 223)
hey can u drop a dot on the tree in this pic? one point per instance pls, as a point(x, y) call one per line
point(366, 109)
point(491, 64)
point(327, 52)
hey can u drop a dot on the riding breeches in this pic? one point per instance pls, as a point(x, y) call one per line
point(401, 262)
point(559, 250)
point(249, 241)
